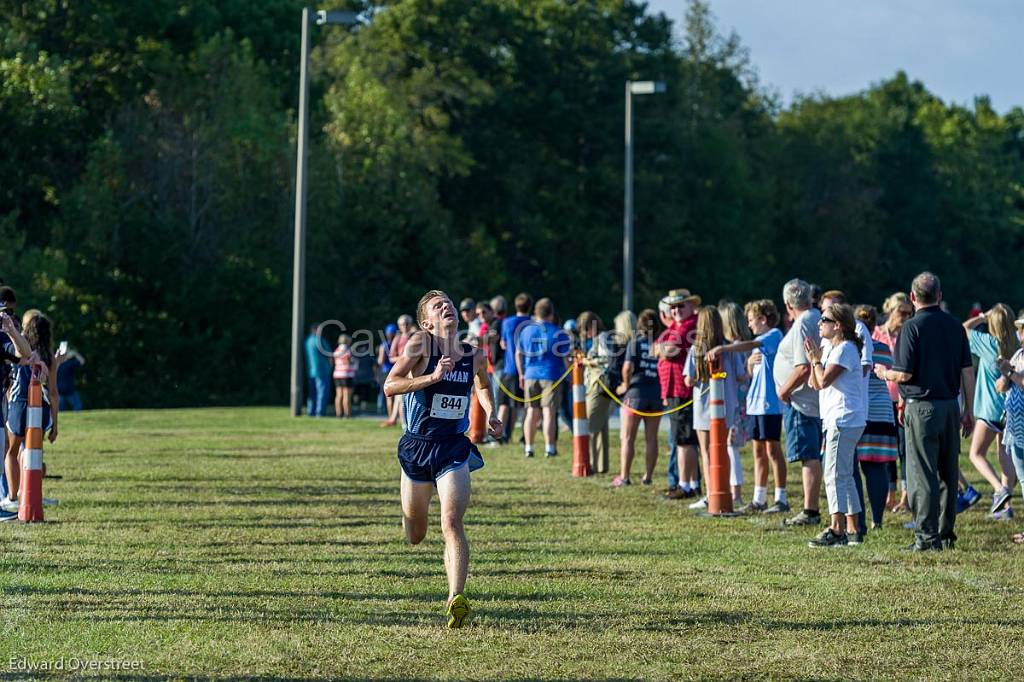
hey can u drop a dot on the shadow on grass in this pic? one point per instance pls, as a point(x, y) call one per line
point(677, 622)
point(421, 608)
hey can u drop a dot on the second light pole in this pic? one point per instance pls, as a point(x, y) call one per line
point(632, 88)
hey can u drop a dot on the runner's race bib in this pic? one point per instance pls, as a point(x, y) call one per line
point(449, 406)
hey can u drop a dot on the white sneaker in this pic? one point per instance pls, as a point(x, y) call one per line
point(702, 503)
point(9, 505)
point(50, 501)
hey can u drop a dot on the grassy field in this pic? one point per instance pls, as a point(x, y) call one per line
point(243, 543)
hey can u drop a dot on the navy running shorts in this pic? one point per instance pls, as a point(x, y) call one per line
point(425, 459)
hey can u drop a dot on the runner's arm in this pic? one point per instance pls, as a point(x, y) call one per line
point(407, 374)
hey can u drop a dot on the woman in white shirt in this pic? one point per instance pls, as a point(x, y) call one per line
point(836, 374)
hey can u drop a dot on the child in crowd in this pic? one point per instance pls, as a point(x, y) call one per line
point(697, 374)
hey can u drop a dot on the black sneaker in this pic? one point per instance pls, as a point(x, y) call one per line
point(915, 547)
point(778, 508)
point(529, 453)
point(855, 538)
point(803, 519)
point(551, 454)
point(753, 508)
point(828, 538)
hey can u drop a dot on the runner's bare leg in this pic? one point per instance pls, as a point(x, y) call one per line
point(415, 504)
point(454, 489)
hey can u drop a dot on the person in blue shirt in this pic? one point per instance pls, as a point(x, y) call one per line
point(510, 394)
point(542, 356)
point(435, 375)
point(1000, 341)
point(318, 373)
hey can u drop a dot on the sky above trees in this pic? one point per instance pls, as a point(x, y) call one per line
point(960, 49)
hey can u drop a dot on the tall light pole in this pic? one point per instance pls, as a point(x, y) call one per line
point(299, 264)
point(632, 88)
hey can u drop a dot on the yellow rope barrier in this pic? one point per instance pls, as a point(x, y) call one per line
point(542, 393)
point(638, 412)
point(606, 390)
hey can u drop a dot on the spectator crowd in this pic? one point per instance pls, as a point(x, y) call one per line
point(868, 403)
point(26, 351)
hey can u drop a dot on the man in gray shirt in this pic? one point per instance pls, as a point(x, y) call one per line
point(800, 414)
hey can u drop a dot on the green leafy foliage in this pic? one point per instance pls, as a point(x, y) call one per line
point(473, 145)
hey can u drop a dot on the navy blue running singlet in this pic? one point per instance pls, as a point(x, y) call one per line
point(442, 409)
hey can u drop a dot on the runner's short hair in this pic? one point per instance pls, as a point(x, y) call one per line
point(421, 307)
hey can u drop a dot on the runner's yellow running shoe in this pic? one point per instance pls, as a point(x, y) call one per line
point(458, 611)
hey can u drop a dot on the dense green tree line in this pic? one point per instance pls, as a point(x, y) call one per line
point(475, 145)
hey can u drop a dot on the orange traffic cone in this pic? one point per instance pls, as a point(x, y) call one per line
point(580, 425)
point(477, 420)
point(719, 495)
point(30, 507)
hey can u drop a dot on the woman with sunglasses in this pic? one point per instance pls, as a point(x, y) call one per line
point(836, 374)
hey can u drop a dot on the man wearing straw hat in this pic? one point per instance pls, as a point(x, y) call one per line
point(436, 374)
point(670, 349)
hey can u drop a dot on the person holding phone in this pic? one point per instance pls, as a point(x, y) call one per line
point(435, 375)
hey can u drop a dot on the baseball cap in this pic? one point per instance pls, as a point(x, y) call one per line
point(391, 329)
point(467, 304)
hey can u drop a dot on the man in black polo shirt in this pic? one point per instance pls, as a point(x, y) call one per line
point(931, 363)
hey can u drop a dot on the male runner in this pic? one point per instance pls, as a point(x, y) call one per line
point(436, 373)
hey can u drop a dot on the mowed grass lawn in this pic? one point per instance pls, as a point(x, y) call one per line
point(242, 542)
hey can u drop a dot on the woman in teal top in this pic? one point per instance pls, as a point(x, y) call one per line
point(1000, 341)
